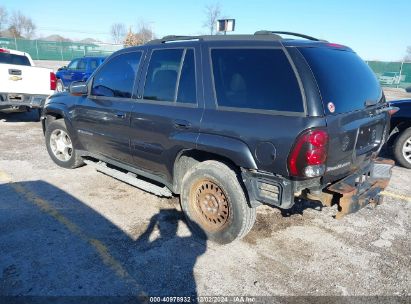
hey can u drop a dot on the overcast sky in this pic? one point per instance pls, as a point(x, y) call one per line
point(376, 29)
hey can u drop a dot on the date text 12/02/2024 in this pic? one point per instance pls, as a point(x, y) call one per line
point(203, 299)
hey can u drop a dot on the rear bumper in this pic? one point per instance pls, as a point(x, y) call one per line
point(362, 187)
point(265, 188)
point(27, 100)
point(350, 193)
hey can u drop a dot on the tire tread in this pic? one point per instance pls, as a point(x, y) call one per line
point(248, 213)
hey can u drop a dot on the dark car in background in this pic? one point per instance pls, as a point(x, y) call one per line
point(400, 139)
point(79, 69)
point(230, 123)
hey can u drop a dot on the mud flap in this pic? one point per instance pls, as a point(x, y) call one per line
point(362, 188)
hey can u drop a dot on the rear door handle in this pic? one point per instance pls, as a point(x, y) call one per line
point(181, 124)
point(121, 115)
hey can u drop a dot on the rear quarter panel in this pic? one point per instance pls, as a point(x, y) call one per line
point(269, 137)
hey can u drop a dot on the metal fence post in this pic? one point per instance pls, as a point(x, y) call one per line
point(61, 50)
point(37, 50)
point(398, 84)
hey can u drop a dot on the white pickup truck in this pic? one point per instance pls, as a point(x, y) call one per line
point(22, 85)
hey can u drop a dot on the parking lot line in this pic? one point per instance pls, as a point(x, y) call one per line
point(4, 177)
point(101, 248)
point(397, 196)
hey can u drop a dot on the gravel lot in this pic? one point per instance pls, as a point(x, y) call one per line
point(394, 94)
point(79, 232)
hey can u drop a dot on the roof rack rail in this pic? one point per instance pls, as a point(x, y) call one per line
point(277, 33)
point(171, 38)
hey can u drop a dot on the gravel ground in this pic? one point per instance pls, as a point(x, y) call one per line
point(79, 232)
point(395, 94)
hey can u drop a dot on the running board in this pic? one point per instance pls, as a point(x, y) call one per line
point(129, 178)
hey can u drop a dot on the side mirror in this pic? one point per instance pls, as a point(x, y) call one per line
point(62, 68)
point(78, 88)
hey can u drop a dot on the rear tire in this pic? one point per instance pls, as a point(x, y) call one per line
point(60, 146)
point(402, 148)
point(215, 204)
point(37, 114)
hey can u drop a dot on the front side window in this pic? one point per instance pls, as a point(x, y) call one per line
point(171, 76)
point(257, 79)
point(116, 77)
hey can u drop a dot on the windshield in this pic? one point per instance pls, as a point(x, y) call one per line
point(14, 59)
point(344, 79)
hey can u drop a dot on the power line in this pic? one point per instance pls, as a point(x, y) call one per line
point(72, 31)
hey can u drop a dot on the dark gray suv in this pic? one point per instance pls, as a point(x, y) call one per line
point(230, 123)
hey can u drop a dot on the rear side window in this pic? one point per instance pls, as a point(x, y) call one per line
point(343, 77)
point(187, 86)
point(93, 64)
point(116, 77)
point(14, 59)
point(171, 76)
point(73, 65)
point(259, 79)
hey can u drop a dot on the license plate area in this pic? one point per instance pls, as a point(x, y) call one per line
point(363, 187)
point(15, 97)
point(369, 137)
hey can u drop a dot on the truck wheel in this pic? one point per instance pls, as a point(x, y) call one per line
point(214, 202)
point(59, 86)
point(402, 148)
point(37, 114)
point(60, 146)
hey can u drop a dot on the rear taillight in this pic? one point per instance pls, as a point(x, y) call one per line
point(393, 110)
point(309, 154)
point(53, 81)
point(4, 51)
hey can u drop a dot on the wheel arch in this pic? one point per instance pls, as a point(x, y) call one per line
point(59, 111)
point(229, 151)
point(188, 158)
point(397, 127)
point(50, 115)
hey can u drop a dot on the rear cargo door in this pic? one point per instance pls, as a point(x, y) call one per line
point(353, 105)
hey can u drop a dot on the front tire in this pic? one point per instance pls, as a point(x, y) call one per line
point(402, 148)
point(60, 146)
point(215, 204)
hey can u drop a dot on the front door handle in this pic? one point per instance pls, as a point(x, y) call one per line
point(121, 115)
point(181, 124)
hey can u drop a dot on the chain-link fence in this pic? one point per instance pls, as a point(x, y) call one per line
point(392, 74)
point(56, 50)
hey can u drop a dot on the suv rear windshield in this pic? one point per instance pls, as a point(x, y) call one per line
point(257, 79)
point(14, 59)
point(343, 78)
